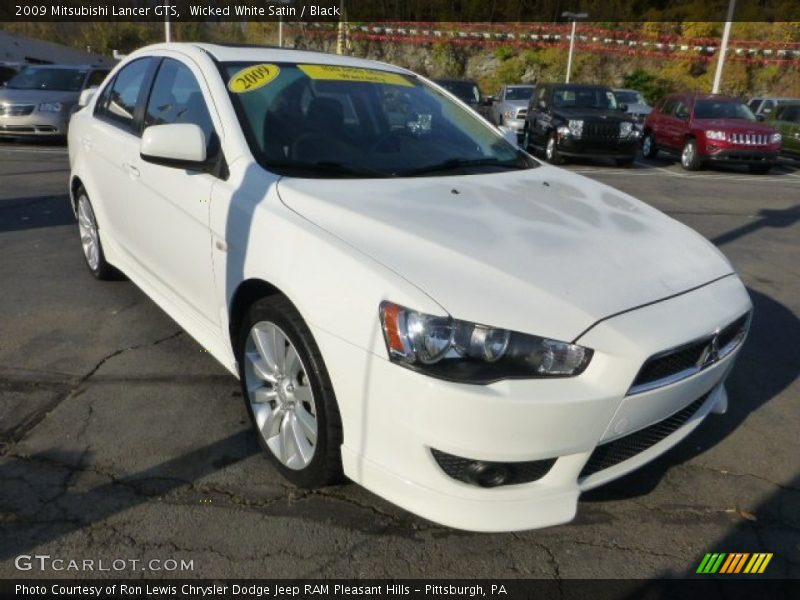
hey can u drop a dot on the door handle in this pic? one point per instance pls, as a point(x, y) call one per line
point(132, 171)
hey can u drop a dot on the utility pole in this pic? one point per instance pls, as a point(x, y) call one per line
point(574, 18)
point(341, 37)
point(167, 29)
point(723, 48)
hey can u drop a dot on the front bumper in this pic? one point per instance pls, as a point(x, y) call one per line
point(393, 417)
point(517, 125)
point(745, 156)
point(35, 124)
point(623, 149)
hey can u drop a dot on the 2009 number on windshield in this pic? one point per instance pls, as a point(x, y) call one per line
point(253, 77)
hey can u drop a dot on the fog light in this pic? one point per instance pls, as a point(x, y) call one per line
point(486, 474)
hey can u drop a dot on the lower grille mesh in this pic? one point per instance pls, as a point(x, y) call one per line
point(519, 472)
point(621, 449)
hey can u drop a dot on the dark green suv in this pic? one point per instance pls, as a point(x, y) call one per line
point(786, 119)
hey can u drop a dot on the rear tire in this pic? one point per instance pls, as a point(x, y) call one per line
point(288, 394)
point(690, 158)
point(90, 240)
point(759, 169)
point(649, 149)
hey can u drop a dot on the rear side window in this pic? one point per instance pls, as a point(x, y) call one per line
point(177, 98)
point(754, 104)
point(118, 101)
point(669, 106)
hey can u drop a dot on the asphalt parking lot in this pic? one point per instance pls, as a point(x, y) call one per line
point(121, 438)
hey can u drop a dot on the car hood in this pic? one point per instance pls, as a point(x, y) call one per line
point(737, 125)
point(542, 251)
point(639, 109)
point(592, 114)
point(35, 96)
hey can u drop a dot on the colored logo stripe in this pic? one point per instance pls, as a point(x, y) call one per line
point(721, 562)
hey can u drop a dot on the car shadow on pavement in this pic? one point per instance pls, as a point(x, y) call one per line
point(763, 370)
point(19, 214)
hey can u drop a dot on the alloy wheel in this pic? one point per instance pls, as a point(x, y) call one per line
point(647, 145)
point(280, 395)
point(687, 156)
point(87, 226)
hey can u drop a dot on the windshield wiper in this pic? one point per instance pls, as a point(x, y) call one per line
point(460, 163)
point(328, 167)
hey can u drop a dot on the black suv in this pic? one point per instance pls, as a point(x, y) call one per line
point(579, 120)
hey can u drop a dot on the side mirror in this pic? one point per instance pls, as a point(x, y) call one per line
point(86, 96)
point(177, 145)
point(622, 107)
point(541, 104)
point(488, 100)
point(760, 118)
point(509, 134)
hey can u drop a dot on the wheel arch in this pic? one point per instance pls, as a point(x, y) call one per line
point(246, 293)
point(75, 184)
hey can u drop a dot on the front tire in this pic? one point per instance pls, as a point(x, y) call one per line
point(90, 240)
point(288, 394)
point(690, 158)
point(551, 152)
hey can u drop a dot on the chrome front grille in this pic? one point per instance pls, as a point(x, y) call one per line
point(749, 139)
point(16, 110)
point(689, 359)
point(522, 113)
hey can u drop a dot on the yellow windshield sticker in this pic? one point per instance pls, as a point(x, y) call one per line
point(337, 73)
point(252, 78)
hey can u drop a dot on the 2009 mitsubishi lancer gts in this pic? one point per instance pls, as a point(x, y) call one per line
point(408, 298)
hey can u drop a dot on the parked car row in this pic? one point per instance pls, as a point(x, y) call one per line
point(563, 121)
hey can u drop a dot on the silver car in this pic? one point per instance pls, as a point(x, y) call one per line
point(636, 105)
point(510, 106)
point(40, 99)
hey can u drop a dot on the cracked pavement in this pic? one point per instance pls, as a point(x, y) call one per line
point(121, 438)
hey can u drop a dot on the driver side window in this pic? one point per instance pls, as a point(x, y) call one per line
point(176, 97)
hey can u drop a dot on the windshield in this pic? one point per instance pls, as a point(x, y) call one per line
point(519, 93)
point(720, 109)
point(584, 98)
point(43, 78)
point(464, 90)
point(629, 98)
point(330, 121)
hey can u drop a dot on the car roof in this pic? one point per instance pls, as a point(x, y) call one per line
point(625, 90)
point(578, 86)
point(521, 85)
point(254, 53)
point(78, 67)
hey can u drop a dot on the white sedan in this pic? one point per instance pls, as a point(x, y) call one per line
point(407, 298)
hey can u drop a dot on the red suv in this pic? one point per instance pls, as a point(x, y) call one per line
point(705, 127)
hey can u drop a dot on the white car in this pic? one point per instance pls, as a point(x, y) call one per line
point(407, 298)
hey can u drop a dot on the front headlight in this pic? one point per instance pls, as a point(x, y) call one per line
point(51, 107)
point(713, 134)
point(776, 138)
point(466, 352)
point(625, 129)
point(575, 127)
point(510, 114)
